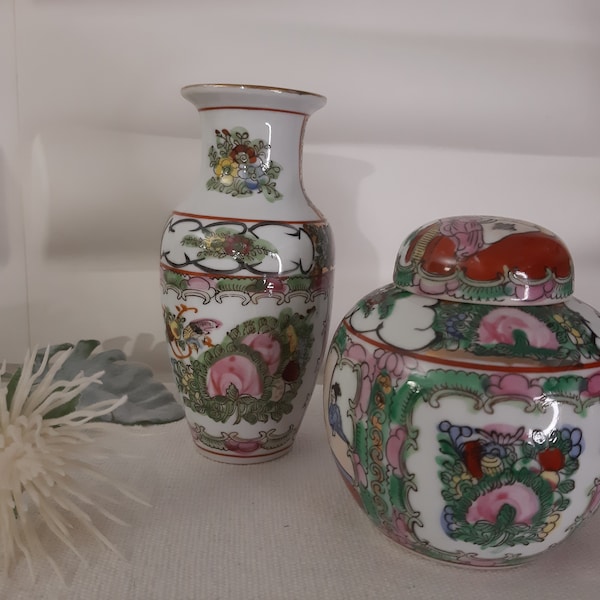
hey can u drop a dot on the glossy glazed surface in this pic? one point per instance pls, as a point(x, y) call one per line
point(485, 259)
point(246, 274)
point(465, 428)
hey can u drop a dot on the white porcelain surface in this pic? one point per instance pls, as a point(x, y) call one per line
point(463, 400)
point(246, 273)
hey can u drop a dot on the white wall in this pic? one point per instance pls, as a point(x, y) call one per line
point(14, 330)
point(435, 108)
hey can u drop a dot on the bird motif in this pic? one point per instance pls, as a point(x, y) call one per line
point(184, 339)
point(196, 333)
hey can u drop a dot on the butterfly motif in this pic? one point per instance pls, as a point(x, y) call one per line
point(185, 338)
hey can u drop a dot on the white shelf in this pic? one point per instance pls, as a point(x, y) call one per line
point(285, 529)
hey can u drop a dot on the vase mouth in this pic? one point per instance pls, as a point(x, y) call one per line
point(211, 96)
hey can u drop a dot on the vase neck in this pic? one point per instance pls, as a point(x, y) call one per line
point(251, 155)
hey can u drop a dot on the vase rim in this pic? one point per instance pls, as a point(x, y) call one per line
point(205, 96)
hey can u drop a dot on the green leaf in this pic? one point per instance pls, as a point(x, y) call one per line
point(12, 386)
point(270, 192)
point(529, 450)
point(232, 392)
point(63, 410)
point(570, 467)
point(341, 338)
point(506, 516)
point(566, 486)
point(447, 448)
point(148, 400)
point(192, 241)
point(274, 170)
point(175, 279)
point(360, 442)
point(445, 477)
point(397, 493)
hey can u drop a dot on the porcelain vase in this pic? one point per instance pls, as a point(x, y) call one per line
point(246, 273)
point(463, 399)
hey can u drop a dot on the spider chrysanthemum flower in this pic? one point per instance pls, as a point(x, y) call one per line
point(49, 452)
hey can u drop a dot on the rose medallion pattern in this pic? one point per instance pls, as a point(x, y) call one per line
point(201, 245)
point(463, 428)
point(253, 374)
point(246, 271)
point(250, 372)
point(505, 487)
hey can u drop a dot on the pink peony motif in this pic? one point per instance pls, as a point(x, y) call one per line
point(357, 353)
point(390, 361)
point(267, 346)
point(431, 288)
point(199, 283)
point(467, 235)
point(366, 383)
point(436, 288)
point(499, 325)
point(242, 446)
point(514, 385)
point(394, 447)
point(593, 386)
point(522, 498)
point(535, 292)
point(235, 370)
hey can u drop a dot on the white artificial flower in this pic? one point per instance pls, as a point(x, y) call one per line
point(46, 446)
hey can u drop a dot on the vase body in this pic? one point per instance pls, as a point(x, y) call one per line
point(246, 274)
point(463, 400)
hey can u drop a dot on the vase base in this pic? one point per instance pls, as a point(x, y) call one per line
point(232, 458)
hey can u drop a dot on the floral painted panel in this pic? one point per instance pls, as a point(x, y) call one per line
point(253, 374)
point(460, 398)
point(502, 487)
point(241, 166)
point(556, 334)
point(212, 246)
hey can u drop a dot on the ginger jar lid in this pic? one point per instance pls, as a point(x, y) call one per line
point(485, 260)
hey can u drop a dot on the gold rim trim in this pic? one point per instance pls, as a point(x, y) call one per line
point(244, 86)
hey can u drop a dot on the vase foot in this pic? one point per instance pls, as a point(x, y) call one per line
point(242, 459)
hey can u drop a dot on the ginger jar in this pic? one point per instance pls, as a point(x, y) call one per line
point(462, 401)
